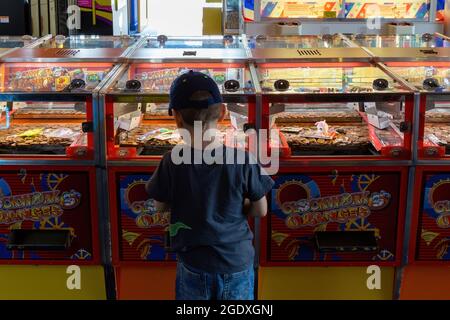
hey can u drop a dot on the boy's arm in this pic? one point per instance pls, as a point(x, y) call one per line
point(258, 184)
point(158, 187)
point(256, 208)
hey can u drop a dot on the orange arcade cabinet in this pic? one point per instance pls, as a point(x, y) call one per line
point(139, 131)
point(338, 205)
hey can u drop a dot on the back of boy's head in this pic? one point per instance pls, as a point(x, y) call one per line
point(196, 97)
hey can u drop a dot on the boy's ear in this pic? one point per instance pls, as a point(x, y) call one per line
point(178, 119)
point(223, 112)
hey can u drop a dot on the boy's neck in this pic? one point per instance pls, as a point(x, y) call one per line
point(196, 145)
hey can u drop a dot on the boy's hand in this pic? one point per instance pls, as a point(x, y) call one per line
point(256, 208)
point(161, 206)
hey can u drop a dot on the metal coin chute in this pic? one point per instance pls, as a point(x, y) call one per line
point(133, 85)
point(430, 84)
point(380, 84)
point(281, 85)
point(231, 85)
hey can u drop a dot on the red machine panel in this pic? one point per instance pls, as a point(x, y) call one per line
point(306, 205)
point(137, 229)
point(48, 199)
point(431, 224)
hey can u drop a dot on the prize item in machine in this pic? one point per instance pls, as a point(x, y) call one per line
point(29, 139)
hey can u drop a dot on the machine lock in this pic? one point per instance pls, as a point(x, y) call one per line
point(162, 39)
point(87, 126)
point(405, 126)
point(248, 126)
point(395, 153)
point(431, 152)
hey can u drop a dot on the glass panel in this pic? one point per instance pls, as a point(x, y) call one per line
point(193, 43)
point(400, 41)
point(351, 128)
point(14, 42)
point(157, 78)
point(430, 78)
point(437, 129)
point(89, 42)
point(295, 42)
point(324, 80)
point(148, 129)
point(45, 77)
point(399, 9)
point(437, 116)
point(339, 128)
point(232, 14)
point(43, 128)
point(299, 9)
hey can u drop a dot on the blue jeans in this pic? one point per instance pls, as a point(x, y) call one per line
point(193, 284)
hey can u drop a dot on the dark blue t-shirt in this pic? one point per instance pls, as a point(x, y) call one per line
point(210, 232)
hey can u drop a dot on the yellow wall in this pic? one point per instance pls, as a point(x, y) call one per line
point(212, 19)
point(321, 283)
point(49, 282)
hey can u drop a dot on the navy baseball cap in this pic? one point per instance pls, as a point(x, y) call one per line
point(184, 87)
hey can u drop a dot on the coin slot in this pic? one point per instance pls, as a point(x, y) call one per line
point(20, 239)
point(189, 53)
point(428, 51)
point(346, 241)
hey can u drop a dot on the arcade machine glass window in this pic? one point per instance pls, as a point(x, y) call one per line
point(46, 109)
point(203, 42)
point(336, 110)
point(297, 42)
point(89, 42)
point(425, 40)
point(137, 121)
point(433, 81)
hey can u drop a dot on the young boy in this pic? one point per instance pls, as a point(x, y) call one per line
point(209, 203)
